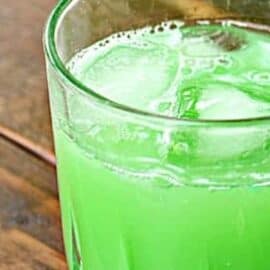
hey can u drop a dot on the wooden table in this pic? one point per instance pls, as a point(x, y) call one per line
point(30, 228)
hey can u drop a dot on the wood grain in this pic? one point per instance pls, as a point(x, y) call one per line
point(30, 227)
point(24, 252)
point(23, 88)
point(21, 163)
point(28, 145)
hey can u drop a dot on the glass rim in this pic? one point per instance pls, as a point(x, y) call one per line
point(52, 55)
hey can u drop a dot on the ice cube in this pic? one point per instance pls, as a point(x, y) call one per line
point(132, 74)
point(217, 100)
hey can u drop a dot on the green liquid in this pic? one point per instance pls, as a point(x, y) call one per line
point(117, 220)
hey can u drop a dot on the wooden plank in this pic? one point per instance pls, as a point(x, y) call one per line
point(19, 211)
point(28, 145)
point(23, 88)
point(30, 228)
point(18, 184)
point(38, 250)
point(22, 164)
point(21, 251)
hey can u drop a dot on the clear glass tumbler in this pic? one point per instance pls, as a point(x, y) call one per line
point(143, 191)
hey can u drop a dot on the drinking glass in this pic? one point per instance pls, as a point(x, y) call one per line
point(142, 191)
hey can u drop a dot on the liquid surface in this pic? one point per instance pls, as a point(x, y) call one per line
point(137, 198)
point(201, 71)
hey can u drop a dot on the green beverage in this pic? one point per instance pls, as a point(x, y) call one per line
point(189, 199)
